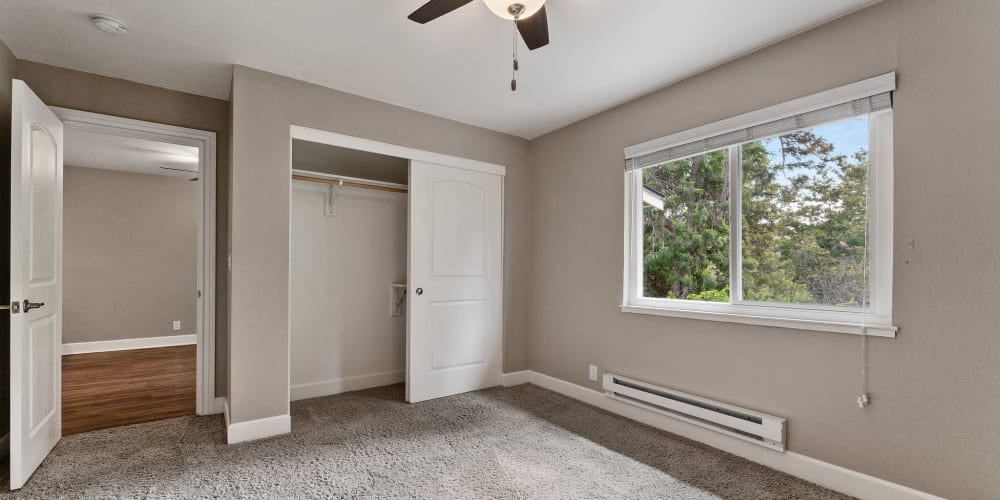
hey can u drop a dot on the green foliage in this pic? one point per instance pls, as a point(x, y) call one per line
point(711, 295)
point(686, 244)
point(803, 224)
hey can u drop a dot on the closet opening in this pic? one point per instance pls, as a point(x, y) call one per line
point(348, 270)
point(395, 269)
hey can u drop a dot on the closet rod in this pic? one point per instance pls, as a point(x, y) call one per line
point(337, 180)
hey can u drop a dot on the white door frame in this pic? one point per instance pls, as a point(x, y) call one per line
point(387, 149)
point(206, 143)
point(384, 148)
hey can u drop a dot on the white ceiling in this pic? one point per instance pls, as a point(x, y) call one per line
point(111, 152)
point(602, 52)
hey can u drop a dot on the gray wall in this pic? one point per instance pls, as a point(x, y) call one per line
point(935, 419)
point(341, 271)
point(100, 94)
point(130, 255)
point(8, 71)
point(933, 424)
point(264, 105)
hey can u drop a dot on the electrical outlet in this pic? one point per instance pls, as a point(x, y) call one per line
point(593, 373)
point(177, 326)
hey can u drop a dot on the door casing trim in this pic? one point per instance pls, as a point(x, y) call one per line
point(205, 141)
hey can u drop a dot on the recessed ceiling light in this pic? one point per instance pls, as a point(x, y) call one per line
point(109, 24)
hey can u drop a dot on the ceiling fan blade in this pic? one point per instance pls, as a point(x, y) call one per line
point(535, 30)
point(435, 9)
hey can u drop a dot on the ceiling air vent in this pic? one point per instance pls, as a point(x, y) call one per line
point(109, 24)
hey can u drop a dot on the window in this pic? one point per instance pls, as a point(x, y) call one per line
point(780, 217)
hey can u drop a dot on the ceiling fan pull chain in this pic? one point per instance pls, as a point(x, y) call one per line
point(513, 77)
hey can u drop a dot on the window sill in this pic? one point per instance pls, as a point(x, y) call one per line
point(778, 322)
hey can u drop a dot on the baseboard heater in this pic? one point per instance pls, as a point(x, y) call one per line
point(748, 425)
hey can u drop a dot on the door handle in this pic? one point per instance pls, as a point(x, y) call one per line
point(420, 291)
point(32, 305)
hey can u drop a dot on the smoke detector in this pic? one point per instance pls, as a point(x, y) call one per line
point(109, 24)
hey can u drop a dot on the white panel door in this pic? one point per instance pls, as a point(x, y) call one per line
point(454, 330)
point(36, 182)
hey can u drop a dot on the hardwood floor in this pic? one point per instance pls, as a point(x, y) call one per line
point(109, 389)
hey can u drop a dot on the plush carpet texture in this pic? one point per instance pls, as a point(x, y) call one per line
point(518, 442)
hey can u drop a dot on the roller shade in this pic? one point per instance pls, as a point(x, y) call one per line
point(850, 109)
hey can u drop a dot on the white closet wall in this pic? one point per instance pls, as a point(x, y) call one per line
point(343, 337)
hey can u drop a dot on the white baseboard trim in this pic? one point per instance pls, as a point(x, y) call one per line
point(261, 428)
point(516, 378)
point(127, 344)
point(219, 407)
point(5, 445)
point(846, 481)
point(346, 384)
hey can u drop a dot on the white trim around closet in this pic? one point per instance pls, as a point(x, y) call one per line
point(298, 132)
point(384, 148)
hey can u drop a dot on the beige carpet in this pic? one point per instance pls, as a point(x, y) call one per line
point(519, 442)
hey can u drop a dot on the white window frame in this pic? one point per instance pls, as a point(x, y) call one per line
point(876, 320)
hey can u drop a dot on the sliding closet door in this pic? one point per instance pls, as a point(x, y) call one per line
point(455, 324)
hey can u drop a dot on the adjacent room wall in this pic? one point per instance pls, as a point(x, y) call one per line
point(934, 423)
point(343, 336)
point(130, 255)
point(8, 71)
point(100, 94)
point(264, 106)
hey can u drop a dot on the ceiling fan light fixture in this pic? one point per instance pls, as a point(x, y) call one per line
point(514, 9)
point(528, 16)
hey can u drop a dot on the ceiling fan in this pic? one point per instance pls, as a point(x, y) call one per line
point(528, 16)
